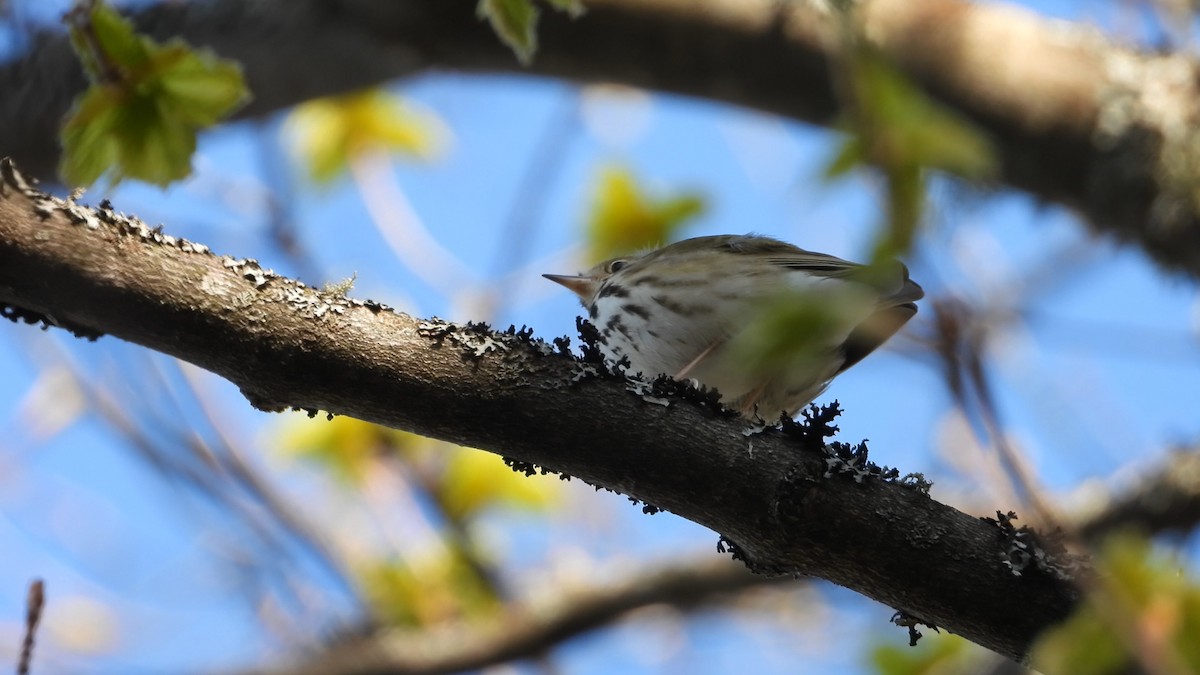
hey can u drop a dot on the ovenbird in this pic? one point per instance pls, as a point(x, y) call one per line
point(765, 323)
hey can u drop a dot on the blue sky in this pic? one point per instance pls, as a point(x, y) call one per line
point(1103, 376)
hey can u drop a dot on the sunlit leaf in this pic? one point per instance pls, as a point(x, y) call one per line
point(350, 448)
point(515, 22)
point(330, 132)
point(623, 218)
point(474, 480)
point(147, 101)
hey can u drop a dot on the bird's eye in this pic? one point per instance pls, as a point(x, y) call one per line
point(616, 265)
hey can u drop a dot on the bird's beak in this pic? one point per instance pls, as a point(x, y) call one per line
point(582, 286)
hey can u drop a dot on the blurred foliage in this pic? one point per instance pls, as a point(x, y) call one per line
point(463, 482)
point(1142, 600)
point(473, 481)
point(515, 22)
point(434, 589)
point(443, 578)
point(349, 448)
point(945, 655)
point(896, 127)
point(331, 132)
point(146, 103)
point(623, 218)
point(793, 331)
point(88, 625)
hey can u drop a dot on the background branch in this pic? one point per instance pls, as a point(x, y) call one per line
point(530, 628)
point(1075, 119)
point(1166, 500)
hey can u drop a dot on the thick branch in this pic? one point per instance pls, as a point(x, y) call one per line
point(1076, 120)
point(288, 345)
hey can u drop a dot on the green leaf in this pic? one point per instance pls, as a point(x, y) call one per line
point(623, 218)
point(515, 22)
point(119, 45)
point(199, 88)
point(146, 104)
point(90, 145)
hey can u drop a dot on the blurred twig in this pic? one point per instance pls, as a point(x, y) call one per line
point(35, 602)
point(961, 337)
point(402, 228)
point(529, 201)
point(205, 476)
point(280, 201)
point(960, 342)
point(231, 460)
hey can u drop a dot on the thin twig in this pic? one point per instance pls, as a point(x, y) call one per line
point(231, 459)
point(35, 602)
point(529, 202)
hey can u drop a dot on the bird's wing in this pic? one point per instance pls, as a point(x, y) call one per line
point(897, 292)
point(874, 331)
point(890, 279)
point(819, 264)
point(894, 308)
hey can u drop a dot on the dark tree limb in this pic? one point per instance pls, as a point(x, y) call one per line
point(286, 345)
point(1077, 120)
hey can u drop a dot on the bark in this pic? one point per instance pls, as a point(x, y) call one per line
point(1076, 120)
point(285, 345)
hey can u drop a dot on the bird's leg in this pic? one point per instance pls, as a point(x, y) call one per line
point(747, 403)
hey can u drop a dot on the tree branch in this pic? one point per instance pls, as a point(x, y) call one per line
point(286, 345)
point(1167, 500)
point(1076, 120)
point(527, 630)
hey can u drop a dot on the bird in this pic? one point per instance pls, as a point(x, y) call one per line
point(766, 324)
